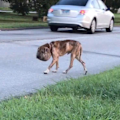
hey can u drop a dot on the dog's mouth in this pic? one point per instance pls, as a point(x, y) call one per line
point(37, 56)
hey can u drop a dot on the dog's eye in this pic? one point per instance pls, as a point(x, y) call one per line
point(46, 50)
point(42, 51)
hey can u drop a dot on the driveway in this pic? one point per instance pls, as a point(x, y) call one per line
point(22, 73)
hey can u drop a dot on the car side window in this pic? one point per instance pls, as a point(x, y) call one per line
point(95, 4)
point(102, 5)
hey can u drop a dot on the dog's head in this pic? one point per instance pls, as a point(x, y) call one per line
point(44, 52)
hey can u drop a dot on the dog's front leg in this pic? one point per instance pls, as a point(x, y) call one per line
point(50, 66)
point(57, 66)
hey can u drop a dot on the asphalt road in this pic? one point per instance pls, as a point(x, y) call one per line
point(21, 73)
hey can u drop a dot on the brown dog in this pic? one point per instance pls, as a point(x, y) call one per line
point(60, 48)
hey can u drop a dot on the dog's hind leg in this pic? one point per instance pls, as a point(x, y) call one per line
point(83, 63)
point(71, 63)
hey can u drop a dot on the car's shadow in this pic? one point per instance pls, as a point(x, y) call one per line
point(80, 31)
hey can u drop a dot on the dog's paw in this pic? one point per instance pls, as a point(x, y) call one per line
point(54, 71)
point(65, 72)
point(86, 72)
point(47, 71)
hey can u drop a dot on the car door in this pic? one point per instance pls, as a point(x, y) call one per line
point(105, 14)
point(98, 13)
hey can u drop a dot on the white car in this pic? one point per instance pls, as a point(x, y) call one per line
point(87, 14)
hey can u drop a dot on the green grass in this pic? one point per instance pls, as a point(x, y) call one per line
point(12, 20)
point(5, 8)
point(22, 25)
point(117, 19)
point(95, 97)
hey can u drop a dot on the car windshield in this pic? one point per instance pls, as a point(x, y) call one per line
point(73, 2)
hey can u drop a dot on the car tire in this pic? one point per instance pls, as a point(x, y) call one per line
point(110, 29)
point(53, 28)
point(92, 27)
point(74, 29)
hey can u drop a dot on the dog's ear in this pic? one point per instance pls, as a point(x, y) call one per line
point(51, 45)
point(48, 45)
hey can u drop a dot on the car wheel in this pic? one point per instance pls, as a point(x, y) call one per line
point(92, 27)
point(110, 29)
point(74, 29)
point(53, 28)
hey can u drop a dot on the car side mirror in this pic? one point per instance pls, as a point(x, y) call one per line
point(107, 9)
